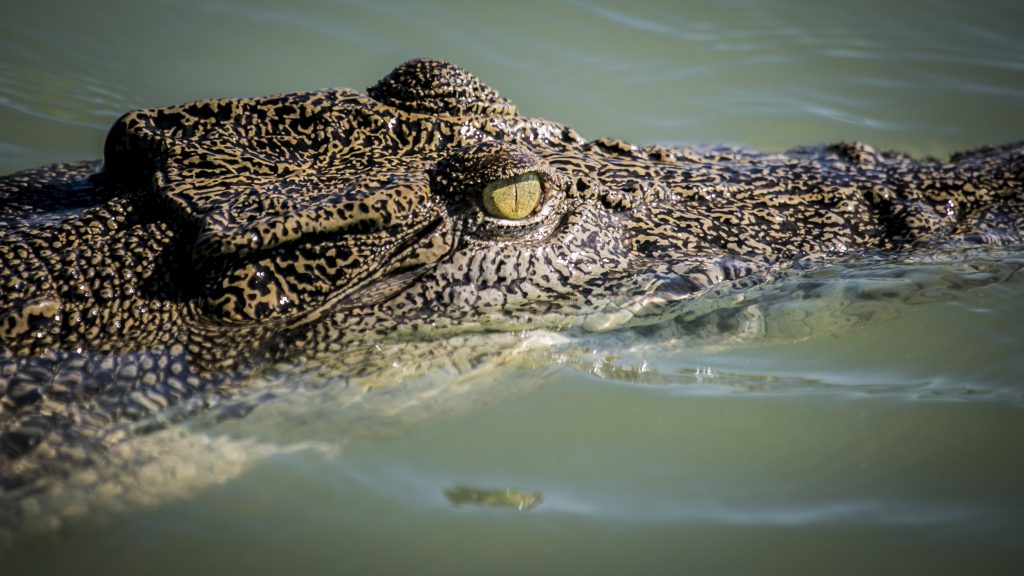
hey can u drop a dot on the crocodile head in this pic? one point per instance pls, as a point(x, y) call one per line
point(426, 203)
point(430, 204)
point(429, 198)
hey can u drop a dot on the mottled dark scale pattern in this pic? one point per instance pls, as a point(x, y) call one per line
point(225, 241)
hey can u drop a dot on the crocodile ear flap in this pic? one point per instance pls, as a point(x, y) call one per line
point(429, 86)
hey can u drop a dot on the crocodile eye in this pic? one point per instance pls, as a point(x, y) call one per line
point(513, 198)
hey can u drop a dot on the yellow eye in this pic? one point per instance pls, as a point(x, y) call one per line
point(513, 198)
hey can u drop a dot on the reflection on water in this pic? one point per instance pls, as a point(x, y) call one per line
point(853, 419)
point(501, 498)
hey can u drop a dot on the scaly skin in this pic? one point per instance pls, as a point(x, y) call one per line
point(223, 237)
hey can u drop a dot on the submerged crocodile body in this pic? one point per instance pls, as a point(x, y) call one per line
point(224, 239)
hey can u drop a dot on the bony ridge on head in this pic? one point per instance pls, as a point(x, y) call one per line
point(430, 86)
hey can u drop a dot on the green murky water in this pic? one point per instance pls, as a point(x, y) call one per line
point(825, 436)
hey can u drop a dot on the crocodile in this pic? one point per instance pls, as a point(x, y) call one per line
point(224, 242)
